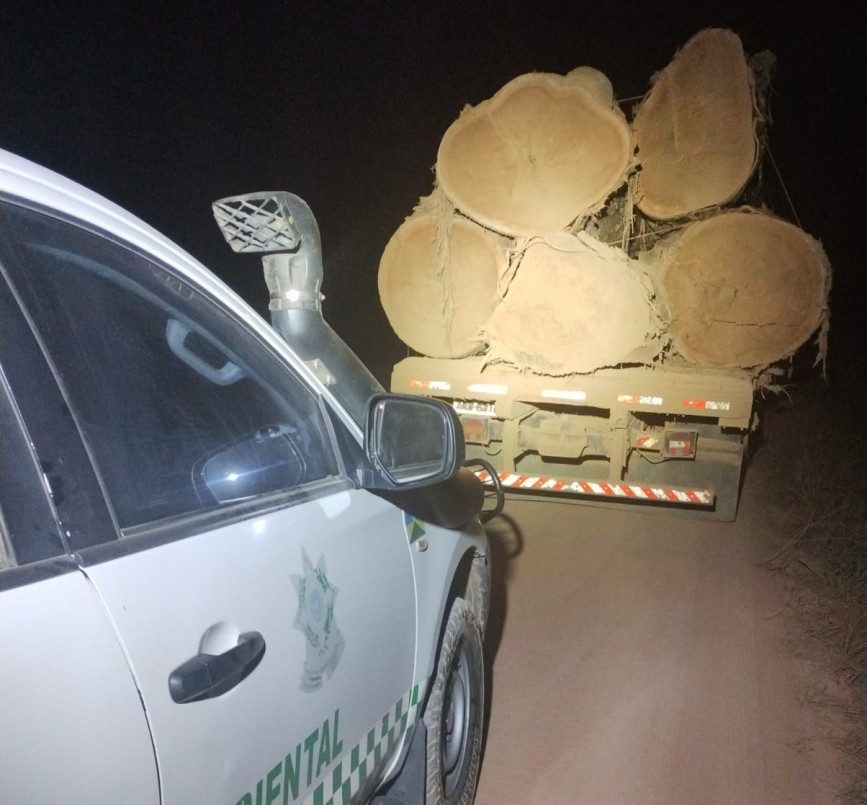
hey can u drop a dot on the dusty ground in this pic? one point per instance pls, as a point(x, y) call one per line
point(641, 658)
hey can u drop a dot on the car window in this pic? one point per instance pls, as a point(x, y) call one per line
point(28, 528)
point(64, 465)
point(182, 408)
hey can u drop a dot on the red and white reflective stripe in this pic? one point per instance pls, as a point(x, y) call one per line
point(542, 483)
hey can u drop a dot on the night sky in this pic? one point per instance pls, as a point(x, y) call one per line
point(345, 104)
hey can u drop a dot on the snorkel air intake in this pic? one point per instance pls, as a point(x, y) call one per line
point(281, 227)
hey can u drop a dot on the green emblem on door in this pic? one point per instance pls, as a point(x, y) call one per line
point(315, 618)
point(415, 529)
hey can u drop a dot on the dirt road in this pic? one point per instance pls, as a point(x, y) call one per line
point(638, 658)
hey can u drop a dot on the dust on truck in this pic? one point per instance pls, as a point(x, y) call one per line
point(594, 295)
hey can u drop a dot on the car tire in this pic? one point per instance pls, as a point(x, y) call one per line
point(454, 716)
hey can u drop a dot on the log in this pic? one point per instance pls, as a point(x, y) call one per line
point(573, 306)
point(595, 82)
point(540, 153)
point(438, 297)
point(744, 289)
point(696, 129)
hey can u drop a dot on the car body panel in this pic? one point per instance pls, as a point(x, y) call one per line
point(73, 728)
point(439, 560)
point(243, 577)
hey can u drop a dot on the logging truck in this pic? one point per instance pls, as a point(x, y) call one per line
point(594, 295)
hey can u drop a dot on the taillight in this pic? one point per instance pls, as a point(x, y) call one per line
point(475, 429)
point(679, 443)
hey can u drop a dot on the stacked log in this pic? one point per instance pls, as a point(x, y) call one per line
point(573, 306)
point(696, 129)
point(501, 260)
point(744, 289)
point(438, 293)
point(534, 157)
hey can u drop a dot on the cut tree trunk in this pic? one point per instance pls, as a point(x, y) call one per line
point(574, 305)
point(696, 130)
point(744, 289)
point(539, 154)
point(438, 294)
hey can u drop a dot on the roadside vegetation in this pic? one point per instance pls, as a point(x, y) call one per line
point(823, 557)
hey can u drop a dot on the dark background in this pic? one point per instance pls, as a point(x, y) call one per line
point(345, 104)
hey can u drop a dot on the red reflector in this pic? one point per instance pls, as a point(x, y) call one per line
point(679, 443)
point(475, 429)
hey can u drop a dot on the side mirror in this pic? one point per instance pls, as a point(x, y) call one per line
point(410, 442)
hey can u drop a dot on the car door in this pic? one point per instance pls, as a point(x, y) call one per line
point(266, 605)
point(67, 698)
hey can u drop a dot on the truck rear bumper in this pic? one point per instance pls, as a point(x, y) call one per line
point(704, 498)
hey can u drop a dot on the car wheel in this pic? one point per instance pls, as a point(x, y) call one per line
point(455, 712)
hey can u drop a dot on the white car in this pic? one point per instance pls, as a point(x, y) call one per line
point(232, 569)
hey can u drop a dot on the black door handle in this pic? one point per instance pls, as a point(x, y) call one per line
point(207, 676)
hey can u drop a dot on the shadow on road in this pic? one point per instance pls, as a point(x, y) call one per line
point(506, 542)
